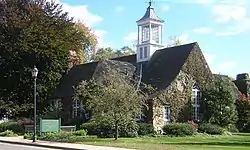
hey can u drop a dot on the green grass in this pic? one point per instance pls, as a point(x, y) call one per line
point(238, 141)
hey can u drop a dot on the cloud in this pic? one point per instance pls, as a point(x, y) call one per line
point(130, 37)
point(203, 30)
point(226, 66)
point(209, 58)
point(82, 13)
point(164, 8)
point(119, 9)
point(225, 13)
point(204, 1)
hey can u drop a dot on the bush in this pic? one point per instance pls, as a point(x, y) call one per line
point(210, 129)
point(13, 126)
point(8, 133)
point(101, 130)
point(80, 132)
point(232, 128)
point(91, 127)
point(145, 129)
point(107, 131)
point(129, 130)
point(179, 129)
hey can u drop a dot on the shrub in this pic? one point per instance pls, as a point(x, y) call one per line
point(129, 130)
point(13, 126)
point(8, 133)
point(80, 132)
point(59, 136)
point(210, 128)
point(101, 130)
point(145, 129)
point(232, 128)
point(179, 129)
point(91, 127)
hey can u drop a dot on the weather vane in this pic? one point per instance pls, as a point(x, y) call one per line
point(150, 2)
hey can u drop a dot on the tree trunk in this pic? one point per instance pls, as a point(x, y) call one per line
point(116, 130)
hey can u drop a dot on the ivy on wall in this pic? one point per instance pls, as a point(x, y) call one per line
point(178, 94)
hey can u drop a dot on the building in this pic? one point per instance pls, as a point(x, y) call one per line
point(178, 73)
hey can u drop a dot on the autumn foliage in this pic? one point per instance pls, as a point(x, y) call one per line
point(243, 109)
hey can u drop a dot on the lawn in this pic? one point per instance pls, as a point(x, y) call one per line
point(235, 142)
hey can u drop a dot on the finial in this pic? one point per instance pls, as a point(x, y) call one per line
point(150, 2)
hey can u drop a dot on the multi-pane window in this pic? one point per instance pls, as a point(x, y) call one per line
point(155, 33)
point(142, 116)
point(141, 53)
point(145, 52)
point(196, 100)
point(145, 33)
point(166, 113)
point(76, 108)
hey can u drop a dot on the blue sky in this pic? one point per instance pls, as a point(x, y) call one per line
point(221, 27)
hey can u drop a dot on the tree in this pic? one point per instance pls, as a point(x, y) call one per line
point(124, 51)
point(104, 53)
point(174, 41)
point(218, 104)
point(243, 109)
point(34, 32)
point(108, 52)
point(113, 100)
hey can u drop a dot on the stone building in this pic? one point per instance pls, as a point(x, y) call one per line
point(178, 73)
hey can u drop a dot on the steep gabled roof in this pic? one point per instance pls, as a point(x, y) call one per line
point(165, 65)
point(82, 72)
point(75, 75)
point(160, 71)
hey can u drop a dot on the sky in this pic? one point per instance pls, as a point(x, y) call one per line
point(221, 27)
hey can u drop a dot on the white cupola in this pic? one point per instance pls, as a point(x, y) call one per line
point(149, 34)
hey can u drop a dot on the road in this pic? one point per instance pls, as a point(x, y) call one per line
point(4, 146)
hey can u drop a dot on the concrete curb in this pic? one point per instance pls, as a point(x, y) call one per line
point(40, 145)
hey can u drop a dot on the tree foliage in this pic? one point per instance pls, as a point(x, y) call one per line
point(113, 100)
point(218, 104)
point(108, 52)
point(243, 109)
point(34, 32)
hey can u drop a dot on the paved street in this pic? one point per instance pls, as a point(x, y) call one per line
point(4, 146)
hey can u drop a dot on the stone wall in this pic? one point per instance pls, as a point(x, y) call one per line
point(178, 97)
point(197, 67)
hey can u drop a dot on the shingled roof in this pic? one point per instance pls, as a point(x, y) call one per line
point(150, 15)
point(164, 65)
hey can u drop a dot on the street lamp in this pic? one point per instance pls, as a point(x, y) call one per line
point(34, 75)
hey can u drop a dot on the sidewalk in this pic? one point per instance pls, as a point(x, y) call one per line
point(55, 145)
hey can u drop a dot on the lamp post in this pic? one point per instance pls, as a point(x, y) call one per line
point(34, 75)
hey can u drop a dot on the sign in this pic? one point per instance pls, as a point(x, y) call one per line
point(50, 125)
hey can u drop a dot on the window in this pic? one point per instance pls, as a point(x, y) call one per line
point(155, 33)
point(141, 53)
point(76, 108)
point(166, 113)
point(145, 52)
point(145, 33)
point(142, 116)
point(196, 100)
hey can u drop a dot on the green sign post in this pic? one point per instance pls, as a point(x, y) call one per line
point(50, 125)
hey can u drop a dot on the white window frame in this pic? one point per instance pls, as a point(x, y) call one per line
point(166, 113)
point(142, 114)
point(76, 108)
point(196, 100)
point(155, 34)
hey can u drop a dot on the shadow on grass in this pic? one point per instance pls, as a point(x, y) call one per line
point(213, 143)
